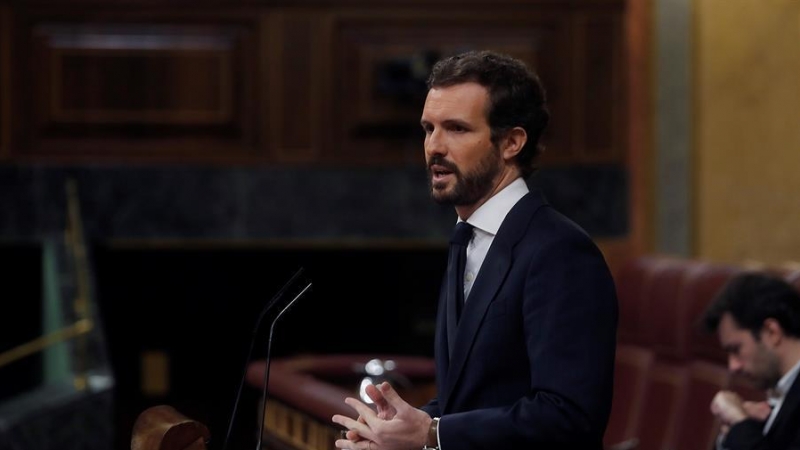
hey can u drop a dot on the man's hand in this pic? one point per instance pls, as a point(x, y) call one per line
point(401, 427)
point(385, 410)
point(728, 407)
point(757, 410)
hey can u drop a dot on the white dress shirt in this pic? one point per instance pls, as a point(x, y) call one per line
point(487, 220)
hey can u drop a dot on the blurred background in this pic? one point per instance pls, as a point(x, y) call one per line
point(165, 166)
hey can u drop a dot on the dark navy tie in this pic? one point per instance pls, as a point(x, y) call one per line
point(455, 279)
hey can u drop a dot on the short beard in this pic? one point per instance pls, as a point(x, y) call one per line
point(772, 372)
point(470, 187)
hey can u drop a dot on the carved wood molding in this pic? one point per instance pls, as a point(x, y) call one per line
point(269, 84)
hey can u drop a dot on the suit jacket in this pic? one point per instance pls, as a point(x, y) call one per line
point(533, 360)
point(784, 434)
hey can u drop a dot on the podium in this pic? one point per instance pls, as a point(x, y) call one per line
point(164, 428)
point(306, 391)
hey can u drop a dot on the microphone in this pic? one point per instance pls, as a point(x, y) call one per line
point(267, 362)
point(272, 302)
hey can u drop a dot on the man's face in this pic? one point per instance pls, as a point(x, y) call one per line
point(463, 164)
point(747, 355)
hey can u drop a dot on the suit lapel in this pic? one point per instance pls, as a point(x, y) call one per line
point(787, 416)
point(492, 274)
point(491, 277)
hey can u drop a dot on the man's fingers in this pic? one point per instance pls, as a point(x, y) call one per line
point(360, 445)
point(353, 425)
point(376, 396)
point(757, 410)
point(364, 411)
point(353, 435)
point(391, 396)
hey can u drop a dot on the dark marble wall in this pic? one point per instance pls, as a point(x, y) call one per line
point(57, 417)
point(240, 203)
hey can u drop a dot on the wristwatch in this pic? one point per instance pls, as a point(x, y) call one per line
point(433, 436)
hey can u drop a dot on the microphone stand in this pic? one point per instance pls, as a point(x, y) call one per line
point(267, 364)
point(264, 311)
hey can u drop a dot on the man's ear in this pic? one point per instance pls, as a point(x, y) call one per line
point(513, 142)
point(772, 332)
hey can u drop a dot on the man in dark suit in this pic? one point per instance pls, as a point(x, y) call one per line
point(526, 329)
point(757, 318)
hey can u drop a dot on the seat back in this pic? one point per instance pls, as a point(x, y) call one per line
point(698, 428)
point(665, 320)
point(633, 294)
point(665, 396)
point(631, 372)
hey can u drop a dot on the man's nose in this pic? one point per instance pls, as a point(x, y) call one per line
point(434, 144)
point(734, 364)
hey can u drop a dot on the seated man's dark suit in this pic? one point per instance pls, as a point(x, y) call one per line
point(533, 360)
point(784, 434)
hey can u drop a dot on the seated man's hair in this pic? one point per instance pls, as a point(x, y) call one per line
point(753, 297)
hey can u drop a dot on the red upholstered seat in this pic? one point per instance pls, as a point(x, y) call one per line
point(665, 397)
point(666, 315)
point(631, 373)
point(698, 428)
point(633, 291)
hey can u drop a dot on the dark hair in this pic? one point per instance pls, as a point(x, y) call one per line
point(516, 96)
point(752, 298)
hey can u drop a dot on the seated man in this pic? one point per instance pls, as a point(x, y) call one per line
point(757, 318)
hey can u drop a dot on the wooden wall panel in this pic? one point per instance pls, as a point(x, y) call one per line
point(121, 89)
point(162, 86)
point(382, 63)
point(322, 3)
point(294, 88)
point(601, 96)
point(5, 86)
point(318, 84)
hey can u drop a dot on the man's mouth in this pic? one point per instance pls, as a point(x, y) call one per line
point(440, 173)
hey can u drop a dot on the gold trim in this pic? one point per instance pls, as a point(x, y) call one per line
point(78, 328)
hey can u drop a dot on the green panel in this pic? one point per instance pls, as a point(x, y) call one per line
point(55, 361)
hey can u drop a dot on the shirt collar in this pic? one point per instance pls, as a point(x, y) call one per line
point(490, 215)
point(787, 380)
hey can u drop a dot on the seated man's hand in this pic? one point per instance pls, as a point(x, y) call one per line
point(757, 410)
point(728, 407)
